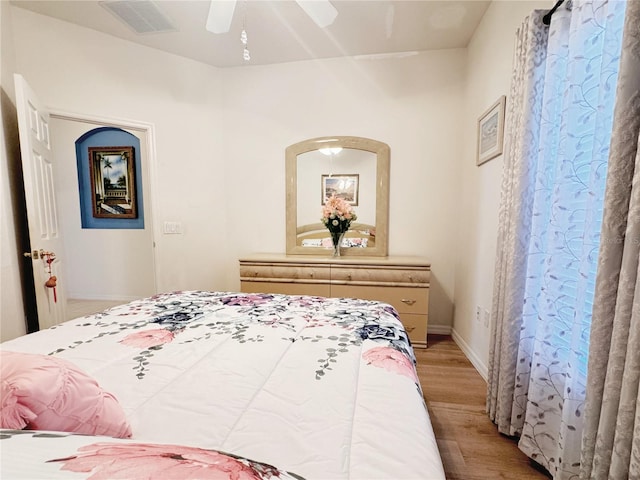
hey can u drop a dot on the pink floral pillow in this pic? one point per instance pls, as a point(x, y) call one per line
point(41, 392)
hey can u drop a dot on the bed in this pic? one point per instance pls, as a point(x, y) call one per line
point(230, 385)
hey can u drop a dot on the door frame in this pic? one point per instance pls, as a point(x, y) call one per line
point(150, 143)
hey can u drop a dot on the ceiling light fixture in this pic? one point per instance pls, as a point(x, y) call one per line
point(245, 52)
point(243, 36)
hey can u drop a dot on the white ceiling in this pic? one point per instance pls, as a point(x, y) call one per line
point(280, 31)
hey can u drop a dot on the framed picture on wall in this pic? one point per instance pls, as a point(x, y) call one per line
point(342, 186)
point(491, 132)
point(113, 182)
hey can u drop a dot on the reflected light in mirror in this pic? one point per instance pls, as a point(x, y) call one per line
point(330, 150)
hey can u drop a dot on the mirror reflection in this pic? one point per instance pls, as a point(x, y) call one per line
point(354, 169)
point(349, 174)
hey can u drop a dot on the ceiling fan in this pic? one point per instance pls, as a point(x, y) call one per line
point(322, 12)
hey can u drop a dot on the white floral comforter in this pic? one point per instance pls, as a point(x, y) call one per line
point(323, 388)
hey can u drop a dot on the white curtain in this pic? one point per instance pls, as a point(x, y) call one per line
point(562, 97)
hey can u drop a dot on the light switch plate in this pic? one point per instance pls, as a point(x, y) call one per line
point(171, 228)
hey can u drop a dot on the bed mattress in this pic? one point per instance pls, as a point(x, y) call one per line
point(312, 387)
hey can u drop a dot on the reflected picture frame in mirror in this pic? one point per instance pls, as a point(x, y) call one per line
point(300, 232)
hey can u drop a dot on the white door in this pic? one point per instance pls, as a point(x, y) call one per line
point(38, 168)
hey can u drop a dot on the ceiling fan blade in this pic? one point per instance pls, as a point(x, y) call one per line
point(321, 11)
point(220, 15)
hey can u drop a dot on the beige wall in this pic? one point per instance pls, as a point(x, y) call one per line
point(111, 78)
point(414, 104)
point(221, 134)
point(490, 60)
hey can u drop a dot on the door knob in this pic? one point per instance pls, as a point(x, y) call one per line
point(36, 254)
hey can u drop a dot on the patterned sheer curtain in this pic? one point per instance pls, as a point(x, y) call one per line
point(559, 122)
point(611, 445)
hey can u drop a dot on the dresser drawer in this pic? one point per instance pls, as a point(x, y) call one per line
point(285, 272)
point(318, 290)
point(416, 327)
point(402, 282)
point(380, 275)
point(404, 299)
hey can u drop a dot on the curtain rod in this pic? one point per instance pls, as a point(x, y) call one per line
point(547, 18)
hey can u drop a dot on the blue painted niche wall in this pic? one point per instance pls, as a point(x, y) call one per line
point(106, 137)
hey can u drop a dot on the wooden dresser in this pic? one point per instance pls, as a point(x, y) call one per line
point(401, 281)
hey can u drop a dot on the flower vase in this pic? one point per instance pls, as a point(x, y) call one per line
point(337, 237)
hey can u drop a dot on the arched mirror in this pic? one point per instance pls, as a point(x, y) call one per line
point(355, 168)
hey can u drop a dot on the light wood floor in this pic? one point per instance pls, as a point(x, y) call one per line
point(79, 308)
point(470, 445)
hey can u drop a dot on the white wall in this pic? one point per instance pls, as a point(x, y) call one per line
point(414, 104)
point(79, 70)
point(110, 264)
point(489, 65)
point(12, 311)
point(221, 136)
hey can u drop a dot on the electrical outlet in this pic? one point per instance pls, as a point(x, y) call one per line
point(487, 317)
point(478, 313)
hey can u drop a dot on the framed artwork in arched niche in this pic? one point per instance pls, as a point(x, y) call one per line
point(109, 179)
point(113, 187)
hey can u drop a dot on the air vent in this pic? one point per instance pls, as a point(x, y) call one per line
point(142, 16)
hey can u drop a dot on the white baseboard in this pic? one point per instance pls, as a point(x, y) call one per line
point(439, 329)
point(482, 369)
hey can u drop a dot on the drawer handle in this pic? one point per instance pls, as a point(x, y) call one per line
point(408, 301)
point(410, 329)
